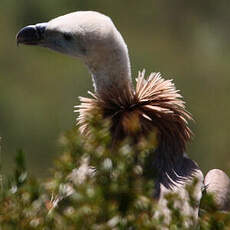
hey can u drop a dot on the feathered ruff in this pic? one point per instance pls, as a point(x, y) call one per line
point(155, 105)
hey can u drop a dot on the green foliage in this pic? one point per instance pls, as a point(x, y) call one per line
point(93, 187)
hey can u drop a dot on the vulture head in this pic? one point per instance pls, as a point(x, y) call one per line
point(87, 35)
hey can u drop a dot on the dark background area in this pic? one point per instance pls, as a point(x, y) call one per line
point(184, 40)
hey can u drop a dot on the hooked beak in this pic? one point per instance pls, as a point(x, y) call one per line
point(31, 35)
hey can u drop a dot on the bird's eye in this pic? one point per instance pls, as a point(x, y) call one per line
point(67, 37)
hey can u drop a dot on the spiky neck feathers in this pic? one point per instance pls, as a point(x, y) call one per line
point(154, 106)
point(152, 112)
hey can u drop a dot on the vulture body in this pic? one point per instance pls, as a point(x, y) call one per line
point(154, 105)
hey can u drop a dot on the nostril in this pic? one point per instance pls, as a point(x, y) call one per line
point(41, 27)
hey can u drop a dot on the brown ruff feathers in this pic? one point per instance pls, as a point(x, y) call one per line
point(154, 104)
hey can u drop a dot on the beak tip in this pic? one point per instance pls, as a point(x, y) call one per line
point(17, 40)
point(30, 35)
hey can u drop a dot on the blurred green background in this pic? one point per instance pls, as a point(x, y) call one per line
point(185, 40)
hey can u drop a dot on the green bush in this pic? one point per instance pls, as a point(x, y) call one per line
point(93, 187)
